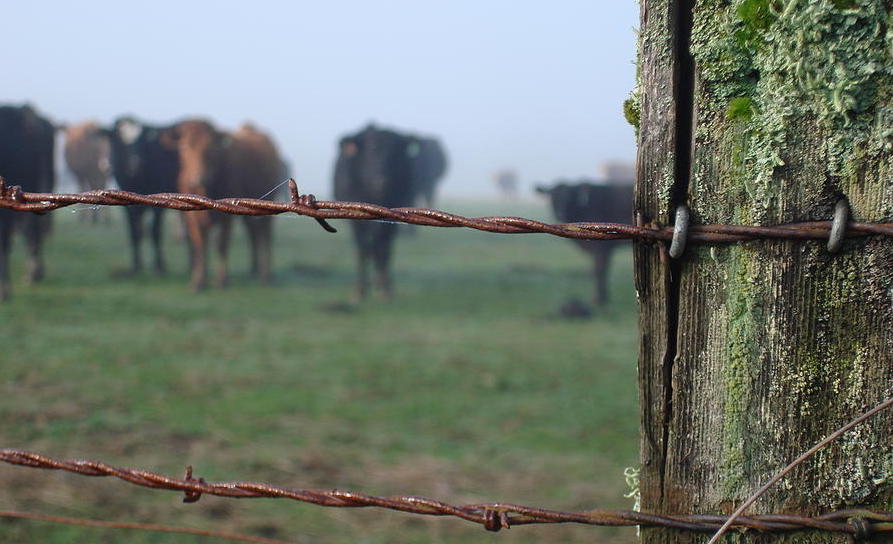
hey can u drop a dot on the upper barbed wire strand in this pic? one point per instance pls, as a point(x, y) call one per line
point(13, 198)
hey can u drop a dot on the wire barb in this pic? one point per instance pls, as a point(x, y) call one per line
point(191, 494)
point(308, 201)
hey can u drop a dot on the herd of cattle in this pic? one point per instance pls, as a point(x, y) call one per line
point(374, 165)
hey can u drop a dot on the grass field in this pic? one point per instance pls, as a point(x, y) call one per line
point(467, 388)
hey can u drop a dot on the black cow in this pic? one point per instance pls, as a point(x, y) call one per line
point(429, 164)
point(584, 202)
point(375, 166)
point(27, 143)
point(142, 164)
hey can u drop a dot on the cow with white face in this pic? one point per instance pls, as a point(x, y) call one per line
point(141, 164)
point(87, 154)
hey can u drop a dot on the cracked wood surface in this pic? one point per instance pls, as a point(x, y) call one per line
point(751, 353)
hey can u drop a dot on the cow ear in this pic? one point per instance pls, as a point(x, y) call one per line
point(543, 190)
point(348, 147)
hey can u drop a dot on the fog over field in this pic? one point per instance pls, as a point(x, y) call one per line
point(466, 366)
point(535, 87)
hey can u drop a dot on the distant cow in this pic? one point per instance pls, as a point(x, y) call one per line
point(506, 182)
point(220, 165)
point(27, 143)
point(584, 202)
point(141, 164)
point(87, 153)
point(375, 166)
point(429, 164)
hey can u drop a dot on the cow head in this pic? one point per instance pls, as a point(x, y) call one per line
point(375, 165)
point(124, 136)
point(348, 147)
point(382, 158)
point(570, 202)
point(201, 149)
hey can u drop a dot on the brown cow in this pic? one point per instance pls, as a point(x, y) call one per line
point(87, 153)
point(253, 168)
point(220, 165)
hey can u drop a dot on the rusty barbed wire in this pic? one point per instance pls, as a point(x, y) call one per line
point(492, 516)
point(14, 198)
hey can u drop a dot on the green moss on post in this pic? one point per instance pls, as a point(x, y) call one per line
point(776, 343)
point(740, 108)
point(631, 110)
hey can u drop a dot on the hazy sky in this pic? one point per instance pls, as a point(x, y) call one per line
point(531, 85)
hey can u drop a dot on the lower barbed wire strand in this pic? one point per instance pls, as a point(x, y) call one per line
point(492, 516)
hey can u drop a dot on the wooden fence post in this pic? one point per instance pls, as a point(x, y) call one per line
point(762, 112)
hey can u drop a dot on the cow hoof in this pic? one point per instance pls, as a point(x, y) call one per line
point(34, 276)
point(574, 309)
point(120, 273)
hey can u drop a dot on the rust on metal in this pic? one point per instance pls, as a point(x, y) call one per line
point(13, 198)
point(492, 516)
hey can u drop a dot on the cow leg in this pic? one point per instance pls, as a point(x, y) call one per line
point(382, 256)
point(252, 226)
point(363, 274)
point(363, 243)
point(135, 224)
point(602, 262)
point(157, 234)
point(224, 227)
point(265, 249)
point(5, 246)
point(34, 227)
point(262, 251)
point(197, 230)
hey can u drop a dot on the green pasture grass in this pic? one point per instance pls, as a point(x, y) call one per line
point(468, 387)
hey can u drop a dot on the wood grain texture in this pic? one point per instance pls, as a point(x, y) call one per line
point(766, 347)
point(656, 165)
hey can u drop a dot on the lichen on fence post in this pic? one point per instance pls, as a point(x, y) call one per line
point(753, 352)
